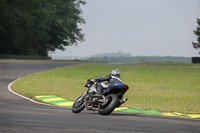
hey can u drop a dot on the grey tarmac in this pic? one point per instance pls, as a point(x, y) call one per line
point(18, 115)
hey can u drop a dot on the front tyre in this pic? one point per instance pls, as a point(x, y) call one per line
point(79, 104)
point(109, 106)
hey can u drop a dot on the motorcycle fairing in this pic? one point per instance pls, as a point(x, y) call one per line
point(115, 85)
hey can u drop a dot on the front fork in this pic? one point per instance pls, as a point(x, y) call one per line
point(81, 97)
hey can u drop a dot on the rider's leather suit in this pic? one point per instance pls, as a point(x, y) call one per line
point(112, 80)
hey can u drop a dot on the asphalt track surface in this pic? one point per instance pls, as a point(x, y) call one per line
point(18, 115)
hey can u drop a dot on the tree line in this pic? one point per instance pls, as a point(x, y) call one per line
point(35, 27)
point(196, 45)
point(140, 59)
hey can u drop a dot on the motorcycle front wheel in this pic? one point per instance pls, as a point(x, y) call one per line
point(109, 106)
point(79, 104)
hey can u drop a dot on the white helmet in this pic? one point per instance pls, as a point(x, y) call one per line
point(115, 72)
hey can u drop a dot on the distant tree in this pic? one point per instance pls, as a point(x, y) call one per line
point(196, 45)
point(34, 27)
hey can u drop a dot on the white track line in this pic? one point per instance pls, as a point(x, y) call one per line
point(10, 89)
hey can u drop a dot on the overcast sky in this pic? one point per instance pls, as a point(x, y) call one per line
point(138, 27)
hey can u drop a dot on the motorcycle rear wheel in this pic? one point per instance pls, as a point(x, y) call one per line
point(78, 105)
point(109, 106)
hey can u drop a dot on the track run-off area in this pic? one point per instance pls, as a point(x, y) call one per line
point(19, 115)
point(51, 99)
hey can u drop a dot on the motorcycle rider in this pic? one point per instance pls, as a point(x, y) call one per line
point(113, 78)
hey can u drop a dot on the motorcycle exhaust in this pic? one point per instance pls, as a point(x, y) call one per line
point(95, 109)
point(123, 100)
point(90, 107)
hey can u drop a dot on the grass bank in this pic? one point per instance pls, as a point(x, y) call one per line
point(165, 88)
point(169, 64)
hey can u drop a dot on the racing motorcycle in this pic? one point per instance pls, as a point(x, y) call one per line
point(105, 104)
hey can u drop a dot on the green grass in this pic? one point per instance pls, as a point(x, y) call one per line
point(169, 64)
point(151, 87)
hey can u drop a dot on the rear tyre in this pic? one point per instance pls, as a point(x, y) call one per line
point(78, 105)
point(109, 106)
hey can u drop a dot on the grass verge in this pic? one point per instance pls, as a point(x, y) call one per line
point(151, 87)
point(169, 64)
